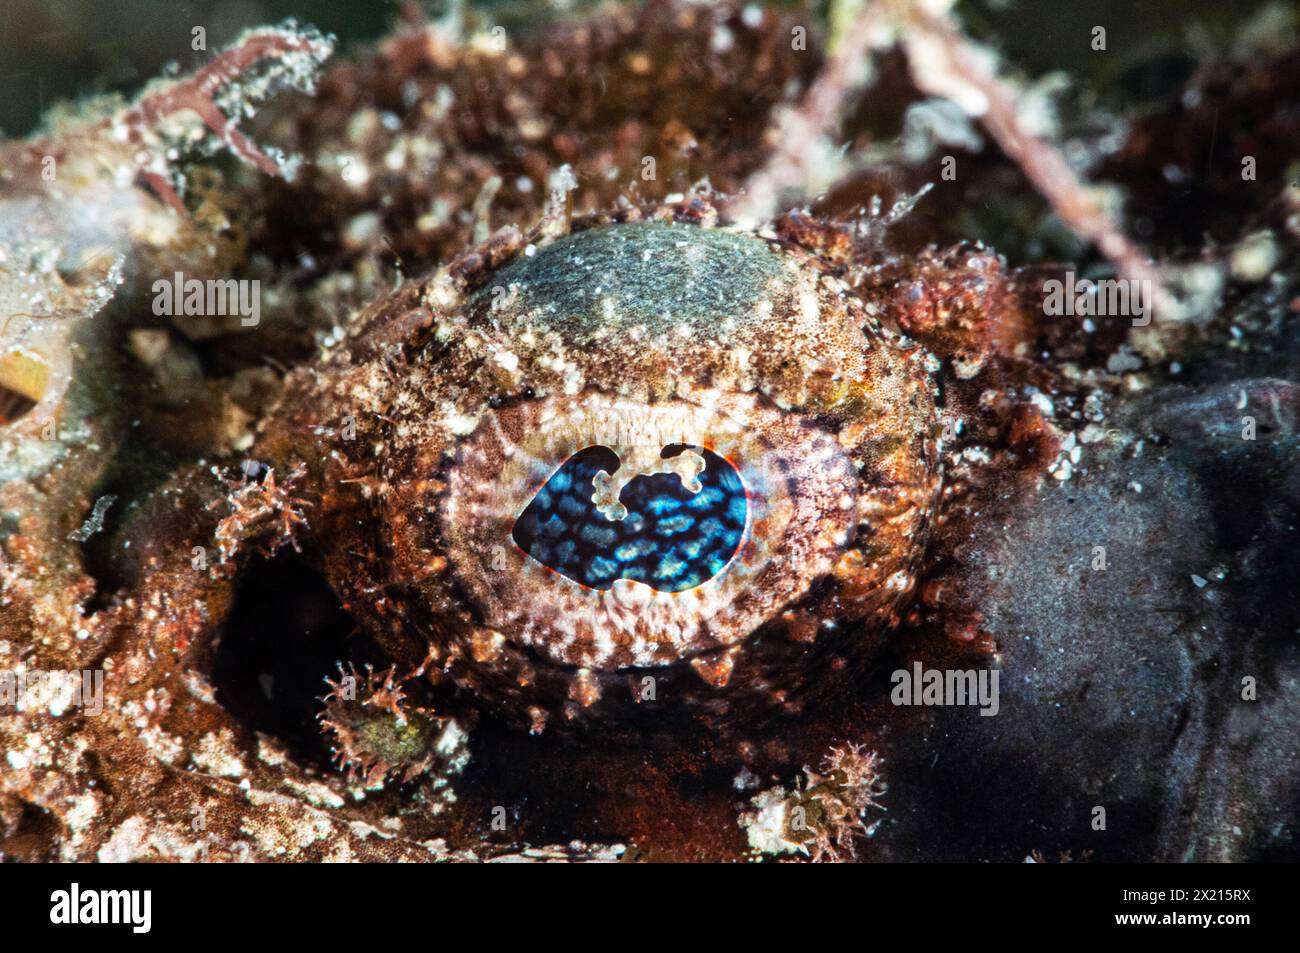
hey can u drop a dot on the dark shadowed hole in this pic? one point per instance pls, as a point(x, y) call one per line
point(286, 633)
point(13, 405)
point(33, 839)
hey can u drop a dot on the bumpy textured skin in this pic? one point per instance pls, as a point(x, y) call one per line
point(1121, 687)
point(637, 335)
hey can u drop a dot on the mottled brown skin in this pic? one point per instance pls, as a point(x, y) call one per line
point(873, 392)
point(597, 94)
point(629, 84)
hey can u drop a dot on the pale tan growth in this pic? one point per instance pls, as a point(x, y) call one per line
point(378, 735)
point(825, 814)
point(268, 508)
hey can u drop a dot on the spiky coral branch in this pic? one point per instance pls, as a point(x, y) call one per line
point(296, 54)
point(376, 734)
point(803, 134)
point(943, 63)
point(824, 815)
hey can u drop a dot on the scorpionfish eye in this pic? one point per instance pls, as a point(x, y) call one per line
point(658, 449)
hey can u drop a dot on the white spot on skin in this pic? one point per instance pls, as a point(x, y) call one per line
point(765, 825)
point(218, 755)
point(1043, 403)
point(460, 424)
point(316, 793)
point(811, 308)
point(900, 581)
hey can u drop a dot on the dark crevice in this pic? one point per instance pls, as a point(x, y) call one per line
point(13, 406)
point(286, 633)
point(33, 839)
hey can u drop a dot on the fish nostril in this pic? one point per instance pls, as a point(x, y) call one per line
point(671, 530)
point(24, 379)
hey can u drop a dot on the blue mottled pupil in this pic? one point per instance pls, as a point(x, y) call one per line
point(671, 539)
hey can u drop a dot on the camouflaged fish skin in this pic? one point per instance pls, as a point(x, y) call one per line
point(294, 555)
point(639, 336)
